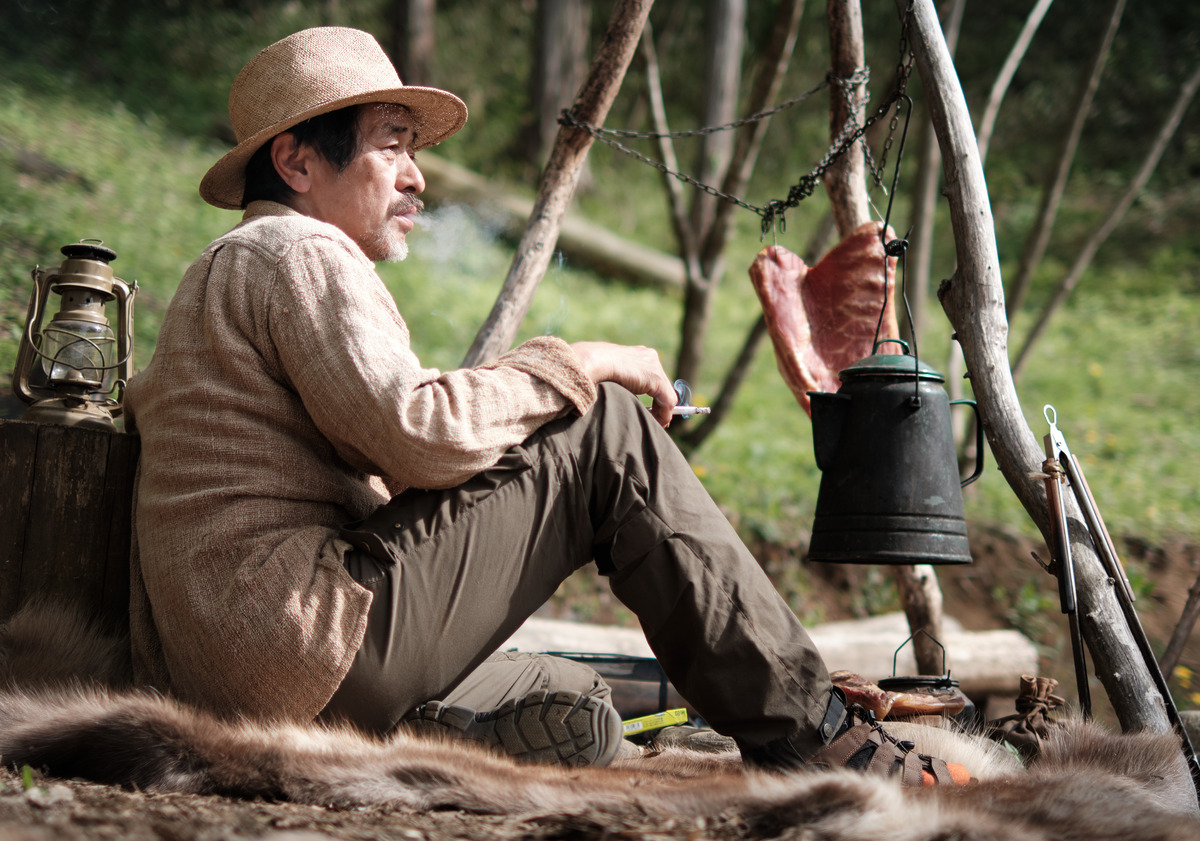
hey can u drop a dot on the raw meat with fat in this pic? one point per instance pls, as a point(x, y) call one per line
point(823, 319)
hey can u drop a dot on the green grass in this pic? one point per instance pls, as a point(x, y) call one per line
point(127, 181)
point(1120, 364)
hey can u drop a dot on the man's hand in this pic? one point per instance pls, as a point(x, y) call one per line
point(636, 368)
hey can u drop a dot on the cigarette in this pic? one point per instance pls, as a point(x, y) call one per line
point(691, 410)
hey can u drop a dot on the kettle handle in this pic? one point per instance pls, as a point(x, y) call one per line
point(978, 442)
point(878, 342)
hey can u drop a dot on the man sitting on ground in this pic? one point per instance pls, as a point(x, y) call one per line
point(327, 529)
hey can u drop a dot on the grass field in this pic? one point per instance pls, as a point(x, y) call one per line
point(1119, 364)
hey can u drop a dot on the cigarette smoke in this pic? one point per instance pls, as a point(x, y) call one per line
point(457, 239)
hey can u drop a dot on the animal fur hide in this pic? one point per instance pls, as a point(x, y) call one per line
point(1088, 783)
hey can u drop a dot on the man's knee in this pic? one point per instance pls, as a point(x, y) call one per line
point(612, 398)
point(512, 674)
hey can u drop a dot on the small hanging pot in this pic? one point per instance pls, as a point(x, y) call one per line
point(921, 695)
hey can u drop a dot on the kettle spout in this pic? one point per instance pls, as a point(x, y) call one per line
point(828, 419)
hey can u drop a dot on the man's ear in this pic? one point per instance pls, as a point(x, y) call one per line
point(293, 161)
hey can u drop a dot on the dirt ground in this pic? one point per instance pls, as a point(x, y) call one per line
point(1003, 588)
point(77, 811)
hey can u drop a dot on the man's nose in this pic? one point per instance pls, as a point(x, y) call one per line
point(409, 178)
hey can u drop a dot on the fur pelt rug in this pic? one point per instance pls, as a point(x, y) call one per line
point(61, 712)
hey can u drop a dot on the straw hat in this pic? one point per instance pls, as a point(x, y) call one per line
point(314, 72)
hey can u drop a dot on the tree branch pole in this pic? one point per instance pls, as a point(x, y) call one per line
point(845, 180)
point(1187, 621)
point(847, 188)
point(559, 179)
point(974, 302)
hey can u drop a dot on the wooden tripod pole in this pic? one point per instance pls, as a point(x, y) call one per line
point(974, 302)
point(559, 179)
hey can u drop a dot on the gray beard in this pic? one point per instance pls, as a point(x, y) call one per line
point(397, 252)
point(387, 249)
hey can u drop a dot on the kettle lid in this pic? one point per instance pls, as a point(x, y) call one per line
point(891, 365)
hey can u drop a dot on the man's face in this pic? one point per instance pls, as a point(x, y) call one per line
point(374, 199)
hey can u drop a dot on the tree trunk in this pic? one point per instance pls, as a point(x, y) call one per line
point(1039, 234)
point(768, 78)
point(1138, 183)
point(685, 234)
point(559, 67)
point(1004, 78)
point(413, 43)
point(919, 263)
point(558, 183)
point(726, 40)
point(974, 301)
point(68, 516)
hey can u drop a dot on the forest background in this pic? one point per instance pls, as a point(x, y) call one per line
point(111, 111)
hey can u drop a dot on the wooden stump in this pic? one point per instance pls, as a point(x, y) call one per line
point(65, 518)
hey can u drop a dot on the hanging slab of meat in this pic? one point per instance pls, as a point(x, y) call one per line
point(823, 319)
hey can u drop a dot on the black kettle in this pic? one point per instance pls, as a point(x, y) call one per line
point(890, 489)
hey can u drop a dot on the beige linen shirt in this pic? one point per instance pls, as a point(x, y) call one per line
point(283, 400)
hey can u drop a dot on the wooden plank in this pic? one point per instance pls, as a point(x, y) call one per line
point(18, 450)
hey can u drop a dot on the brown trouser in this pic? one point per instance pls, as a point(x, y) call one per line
point(456, 572)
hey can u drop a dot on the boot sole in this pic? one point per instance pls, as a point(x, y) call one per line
point(565, 728)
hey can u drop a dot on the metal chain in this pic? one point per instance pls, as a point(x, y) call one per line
point(903, 73)
point(772, 213)
point(858, 78)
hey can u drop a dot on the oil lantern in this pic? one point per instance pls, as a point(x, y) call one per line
point(73, 370)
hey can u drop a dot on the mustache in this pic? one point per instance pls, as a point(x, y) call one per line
point(407, 204)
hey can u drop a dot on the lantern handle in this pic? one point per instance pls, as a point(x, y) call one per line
point(124, 293)
point(31, 337)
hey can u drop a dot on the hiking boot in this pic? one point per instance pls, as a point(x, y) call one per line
point(854, 739)
point(564, 727)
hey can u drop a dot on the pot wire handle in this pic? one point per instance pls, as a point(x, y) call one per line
point(911, 637)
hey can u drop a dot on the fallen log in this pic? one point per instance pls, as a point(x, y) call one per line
point(985, 662)
point(582, 242)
